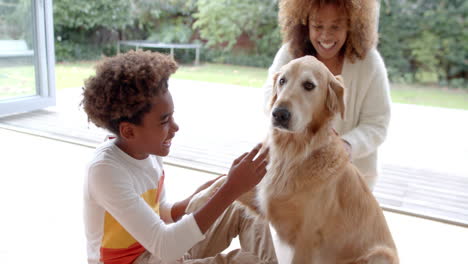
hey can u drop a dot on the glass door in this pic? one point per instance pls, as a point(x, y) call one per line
point(27, 60)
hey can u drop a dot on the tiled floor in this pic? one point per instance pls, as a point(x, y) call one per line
point(41, 207)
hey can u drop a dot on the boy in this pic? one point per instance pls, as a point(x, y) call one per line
point(127, 218)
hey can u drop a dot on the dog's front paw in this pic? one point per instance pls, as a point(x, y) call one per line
point(202, 197)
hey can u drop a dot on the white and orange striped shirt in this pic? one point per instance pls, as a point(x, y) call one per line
point(126, 213)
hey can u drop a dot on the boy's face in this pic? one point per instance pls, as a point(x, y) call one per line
point(158, 128)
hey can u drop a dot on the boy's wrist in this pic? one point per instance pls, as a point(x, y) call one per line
point(222, 199)
point(178, 209)
point(228, 192)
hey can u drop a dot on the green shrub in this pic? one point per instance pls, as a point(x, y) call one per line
point(420, 41)
point(421, 37)
point(175, 30)
point(222, 22)
point(16, 20)
point(459, 83)
point(73, 51)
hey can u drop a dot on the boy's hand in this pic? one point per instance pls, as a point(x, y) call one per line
point(246, 172)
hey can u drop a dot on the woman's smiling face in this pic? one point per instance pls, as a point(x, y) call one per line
point(328, 29)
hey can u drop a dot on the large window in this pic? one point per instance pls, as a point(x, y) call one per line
point(27, 58)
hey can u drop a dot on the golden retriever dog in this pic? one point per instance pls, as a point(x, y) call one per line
point(314, 197)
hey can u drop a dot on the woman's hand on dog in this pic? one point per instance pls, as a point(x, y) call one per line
point(247, 171)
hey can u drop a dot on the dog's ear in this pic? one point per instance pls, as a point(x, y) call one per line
point(335, 95)
point(274, 91)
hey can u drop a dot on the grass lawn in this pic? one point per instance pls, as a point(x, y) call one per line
point(17, 81)
point(221, 73)
point(430, 96)
point(74, 74)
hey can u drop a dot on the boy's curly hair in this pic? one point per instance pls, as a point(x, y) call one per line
point(124, 86)
point(362, 31)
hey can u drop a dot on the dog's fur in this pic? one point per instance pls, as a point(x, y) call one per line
point(312, 194)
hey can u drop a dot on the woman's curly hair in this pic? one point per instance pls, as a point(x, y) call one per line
point(362, 31)
point(124, 86)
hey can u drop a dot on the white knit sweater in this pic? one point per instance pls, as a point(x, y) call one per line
point(367, 100)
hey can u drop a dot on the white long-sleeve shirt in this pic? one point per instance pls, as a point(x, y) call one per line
point(125, 210)
point(367, 101)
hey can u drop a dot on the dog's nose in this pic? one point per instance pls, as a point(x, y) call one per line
point(281, 116)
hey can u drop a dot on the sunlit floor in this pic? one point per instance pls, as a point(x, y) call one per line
point(41, 207)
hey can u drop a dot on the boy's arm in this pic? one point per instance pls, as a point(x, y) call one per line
point(111, 189)
point(245, 173)
point(165, 207)
point(179, 208)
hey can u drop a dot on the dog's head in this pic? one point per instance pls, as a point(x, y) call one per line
point(305, 95)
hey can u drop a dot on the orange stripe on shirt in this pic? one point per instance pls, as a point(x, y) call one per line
point(118, 246)
point(121, 256)
point(160, 187)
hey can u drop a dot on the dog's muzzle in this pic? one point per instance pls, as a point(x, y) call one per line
point(281, 117)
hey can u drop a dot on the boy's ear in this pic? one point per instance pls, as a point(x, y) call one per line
point(126, 130)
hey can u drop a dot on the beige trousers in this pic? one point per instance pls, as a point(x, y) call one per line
point(254, 237)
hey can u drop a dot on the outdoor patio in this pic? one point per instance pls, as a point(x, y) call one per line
point(423, 160)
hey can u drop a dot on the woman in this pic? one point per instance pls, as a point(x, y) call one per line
point(343, 35)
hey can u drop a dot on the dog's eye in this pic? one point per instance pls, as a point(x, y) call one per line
point(309, 86)
point(282, 81)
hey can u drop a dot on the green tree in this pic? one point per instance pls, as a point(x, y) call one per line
point(16, 20)
point(421, 38)
point(221, 22)
point(88, 15)
point(397, 26)
point(165, 20)
point(448, 20)
point(84, 29)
